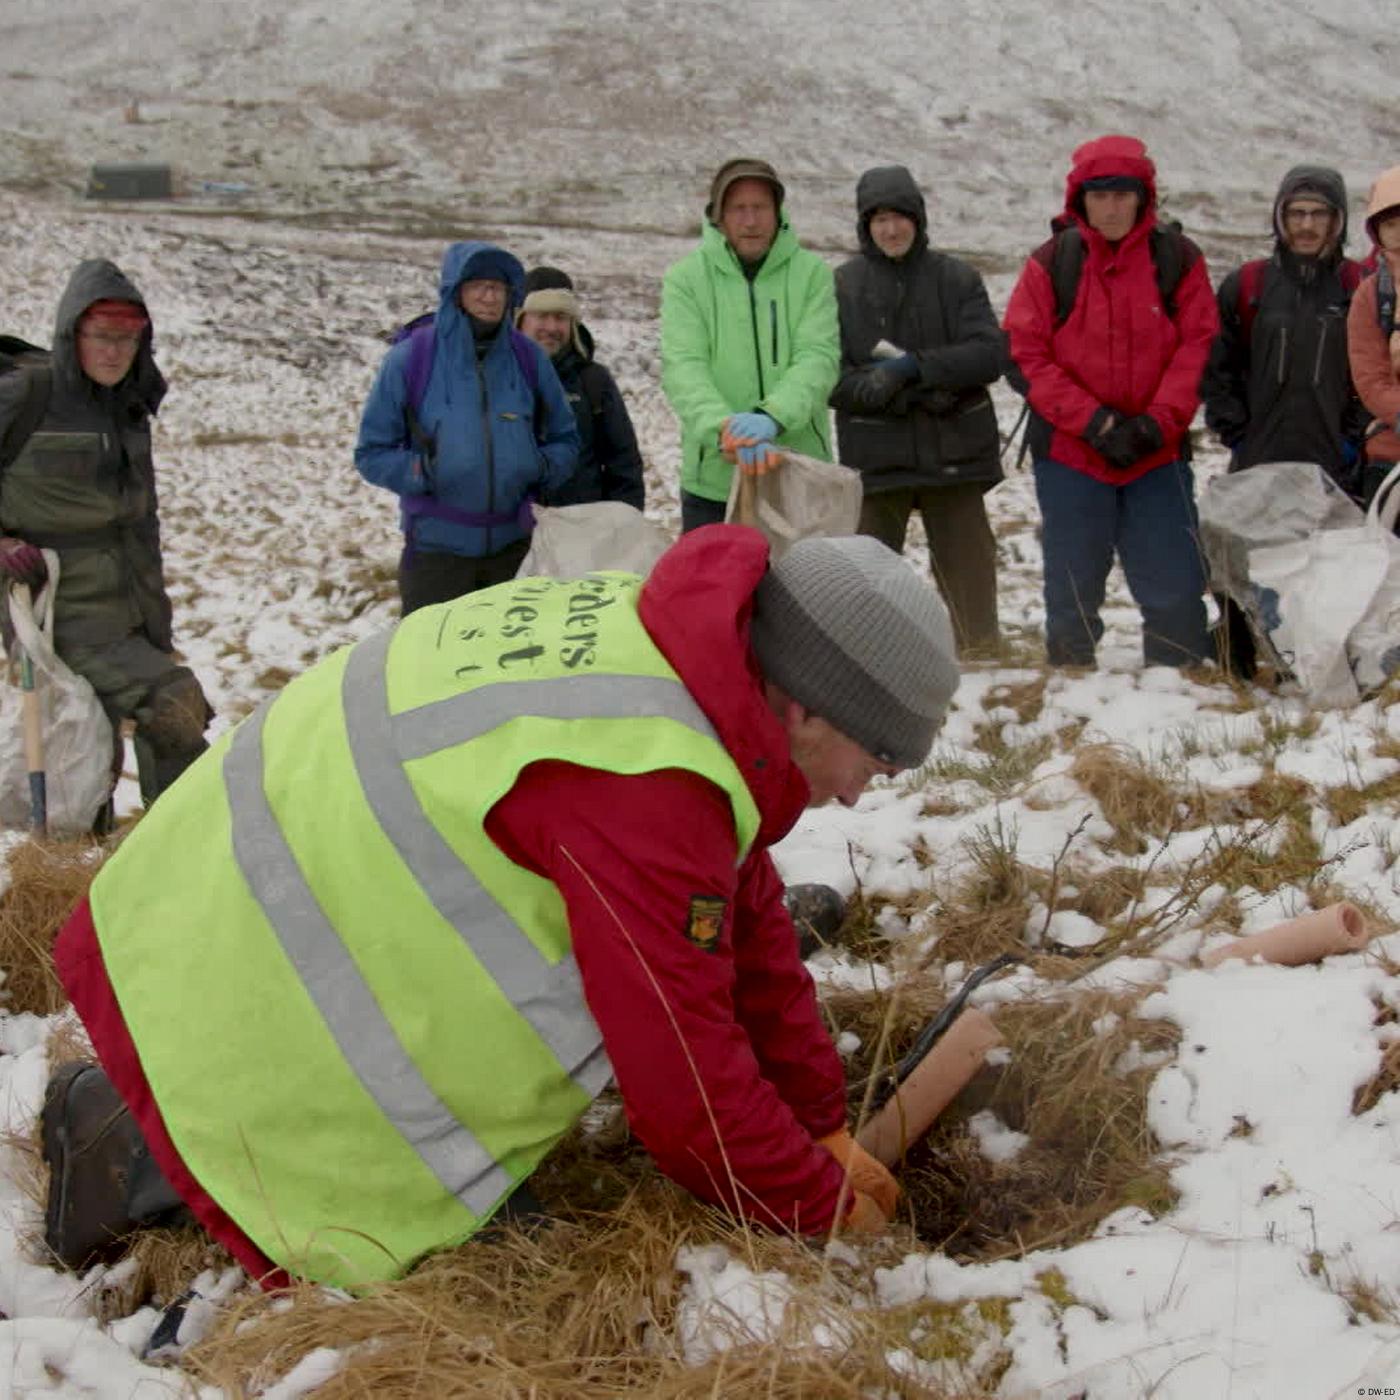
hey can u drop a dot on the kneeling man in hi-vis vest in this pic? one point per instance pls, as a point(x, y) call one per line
point(372, 955)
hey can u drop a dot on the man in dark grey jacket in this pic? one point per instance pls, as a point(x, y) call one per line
point(919, 345)
point(609, 461)
point(76, 476)
point(1278, 385)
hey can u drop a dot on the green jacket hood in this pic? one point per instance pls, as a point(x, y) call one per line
point(717, 250)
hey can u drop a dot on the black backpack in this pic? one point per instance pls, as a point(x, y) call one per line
point(32, 361)
point(1063, 258)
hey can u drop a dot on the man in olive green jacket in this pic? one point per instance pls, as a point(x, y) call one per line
point(750, 348)
point(76, 476)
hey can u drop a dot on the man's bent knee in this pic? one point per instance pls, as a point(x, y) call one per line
point(175, 713)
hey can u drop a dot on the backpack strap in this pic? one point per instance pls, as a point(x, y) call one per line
point(1063, 258)
point(1066, 264)
point(1248, 291)
point(1385, 297)
point(524, 349)
point(1173, 255)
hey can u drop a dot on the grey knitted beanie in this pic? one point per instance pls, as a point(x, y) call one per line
point(853, 634)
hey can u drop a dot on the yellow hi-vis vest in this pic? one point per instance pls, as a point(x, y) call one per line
point(363, 1025)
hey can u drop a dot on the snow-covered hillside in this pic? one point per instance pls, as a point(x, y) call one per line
point(368, 133)
point(432, 116)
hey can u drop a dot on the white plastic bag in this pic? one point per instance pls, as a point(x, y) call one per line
point(76, 731)
point(1329, 604)
point(1269, 504)
point(572, 540)
point(803, 497)
point(1373, 648)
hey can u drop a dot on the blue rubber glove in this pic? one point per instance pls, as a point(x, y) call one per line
point(757, 458)
point(758, 426)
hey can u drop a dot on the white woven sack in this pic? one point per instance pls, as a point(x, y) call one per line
point(1373, 647)
point(803, 497)
point(570, 541)
point(77, 733)
point(1328, 603)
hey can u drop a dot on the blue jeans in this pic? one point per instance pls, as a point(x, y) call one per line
point(1151, 522)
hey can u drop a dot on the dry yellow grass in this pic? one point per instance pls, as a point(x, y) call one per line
point(47, 878)
point(585, 1307)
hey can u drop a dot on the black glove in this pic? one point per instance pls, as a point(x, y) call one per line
point(873, 387)
point(1127, 442)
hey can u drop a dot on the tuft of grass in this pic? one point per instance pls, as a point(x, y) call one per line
point(1137, 801)
point(47, 878)
point(1348, 804)
point(1026, 698)
point(1005, 768)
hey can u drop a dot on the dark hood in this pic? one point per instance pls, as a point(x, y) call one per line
point(96, 279)
point(889, 187)
point(1320, 180)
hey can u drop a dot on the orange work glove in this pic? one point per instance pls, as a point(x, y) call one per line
point(868, 1177)
point(864, 1217)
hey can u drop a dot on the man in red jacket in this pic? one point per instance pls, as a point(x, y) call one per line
point(817, 672)
point(1111, 332)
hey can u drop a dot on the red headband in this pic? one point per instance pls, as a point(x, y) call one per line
point(120, 313)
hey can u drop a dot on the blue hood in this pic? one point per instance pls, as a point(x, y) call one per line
point(463, 261)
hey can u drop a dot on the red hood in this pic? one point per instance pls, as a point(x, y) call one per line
point(1109, 155)
point(695, 605)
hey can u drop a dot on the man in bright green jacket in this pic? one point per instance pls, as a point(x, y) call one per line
point(750, 347)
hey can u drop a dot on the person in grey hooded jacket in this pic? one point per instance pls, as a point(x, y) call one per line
point(1278, 384)
point(82, 482)
point(919, 345)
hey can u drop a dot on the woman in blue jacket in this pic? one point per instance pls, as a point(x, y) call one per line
point(466, 421)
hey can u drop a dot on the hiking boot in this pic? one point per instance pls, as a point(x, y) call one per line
point(817, 913)
point(89, 1143)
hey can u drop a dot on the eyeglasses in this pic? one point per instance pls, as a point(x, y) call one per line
point(112, 340)
point(1307, 216)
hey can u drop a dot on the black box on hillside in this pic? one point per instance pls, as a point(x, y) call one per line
point(108, 181)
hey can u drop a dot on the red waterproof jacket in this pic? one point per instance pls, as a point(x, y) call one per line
point(1118, 347)
point(726, 1070)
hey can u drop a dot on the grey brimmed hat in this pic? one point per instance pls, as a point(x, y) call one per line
point(741, 168)
point(853, 634)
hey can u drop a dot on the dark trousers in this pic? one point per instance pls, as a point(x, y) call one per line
point(960, 546)
point(1151, 524)
point(700, 510)
point(427, 577)
point(136, 680)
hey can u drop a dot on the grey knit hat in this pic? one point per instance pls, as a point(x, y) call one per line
point(853, 634)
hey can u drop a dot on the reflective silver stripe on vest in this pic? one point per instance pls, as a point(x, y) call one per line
point(550, 998)
point(464, 1168)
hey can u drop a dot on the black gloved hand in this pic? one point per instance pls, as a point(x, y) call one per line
point(873, 387)
point(1127, 442)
